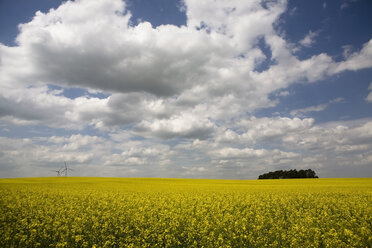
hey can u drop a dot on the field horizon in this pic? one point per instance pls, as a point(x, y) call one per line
point(184, 178)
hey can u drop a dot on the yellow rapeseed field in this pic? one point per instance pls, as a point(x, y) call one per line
point(122, 212)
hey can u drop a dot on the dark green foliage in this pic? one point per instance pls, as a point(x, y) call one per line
point(280, 174)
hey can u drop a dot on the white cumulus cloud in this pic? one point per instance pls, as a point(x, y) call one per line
point(369, 97)
point(168, 95)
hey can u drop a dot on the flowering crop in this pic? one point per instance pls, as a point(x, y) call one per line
point(121, 212)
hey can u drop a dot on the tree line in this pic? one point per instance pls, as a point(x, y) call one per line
point(282, 174)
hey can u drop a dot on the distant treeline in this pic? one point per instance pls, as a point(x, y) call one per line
point(282, 174)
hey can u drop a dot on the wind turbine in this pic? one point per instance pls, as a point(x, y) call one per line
point(58, 171)
point(66, 169)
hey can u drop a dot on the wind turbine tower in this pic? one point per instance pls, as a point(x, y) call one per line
point(66, 169)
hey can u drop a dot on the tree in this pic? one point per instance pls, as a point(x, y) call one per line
point(280, 174)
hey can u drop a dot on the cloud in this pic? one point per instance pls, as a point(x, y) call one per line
point(248, 153)
point(309, 39)
point(317, 108)
point(337, 100)
point(87, 155)
point(188, 125)
point(267, 129)
point(34, 105)
point(177, 101)
point(139, 156)
point(331, 141)
point(293, 143)
point(284, 93)
point(56, 47)
point(347, 50)
point(347, 3)
point(369, 97)
point(139, 66)
point(27, 156)
point(152, 75)
point(355, 61)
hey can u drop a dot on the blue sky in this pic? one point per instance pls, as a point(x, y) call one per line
point(196, 89)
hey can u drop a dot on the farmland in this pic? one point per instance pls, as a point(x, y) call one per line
point(124, 212)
